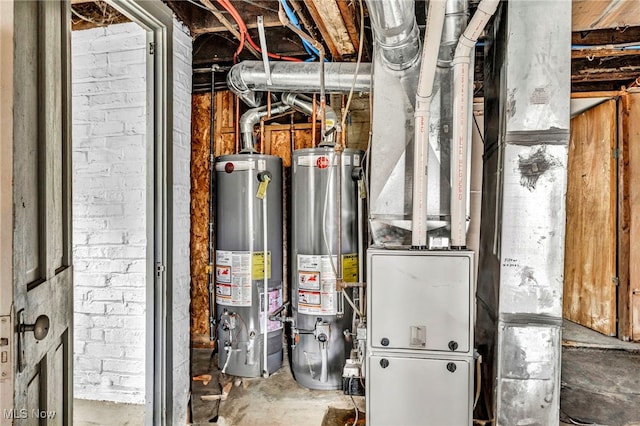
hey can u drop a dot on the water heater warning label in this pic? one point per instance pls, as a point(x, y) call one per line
point(317, 282)
point(233, 278)
point(257, 265)
point(275, 302)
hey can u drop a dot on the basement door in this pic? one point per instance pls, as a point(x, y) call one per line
point(590, 245)
point(42, 273)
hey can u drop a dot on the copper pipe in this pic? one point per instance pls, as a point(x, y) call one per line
point(268, 104)
point(313, 122)
point(236, 123)
point(262, 143)
point(292, 138)
point(343, 130)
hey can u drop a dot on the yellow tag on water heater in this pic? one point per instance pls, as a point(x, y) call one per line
point(262, 188)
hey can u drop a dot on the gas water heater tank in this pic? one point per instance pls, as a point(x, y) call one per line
point(319, 345)
point(239, 262)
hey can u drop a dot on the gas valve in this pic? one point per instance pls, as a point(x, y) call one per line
point(322, 331)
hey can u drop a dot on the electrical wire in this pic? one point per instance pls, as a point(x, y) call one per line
point(475, 120)
point(226, 4)
point(355, 74)
point(355, 407)
point(478, 380)
point(344, 119)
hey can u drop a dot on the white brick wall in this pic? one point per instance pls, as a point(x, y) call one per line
point(181, 219)
point(109, 224)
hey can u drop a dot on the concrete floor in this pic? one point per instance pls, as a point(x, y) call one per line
point(600, 379)
point(103, 413)
point(600, 386)
point(275, 401)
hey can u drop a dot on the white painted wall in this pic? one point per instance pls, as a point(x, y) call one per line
point(109, 223)
point(182, 54)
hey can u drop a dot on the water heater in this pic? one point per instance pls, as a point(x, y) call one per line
point(321, 318)
point(248, 215)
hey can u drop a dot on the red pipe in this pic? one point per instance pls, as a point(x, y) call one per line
point(226, 4)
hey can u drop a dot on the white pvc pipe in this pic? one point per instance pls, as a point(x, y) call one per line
point(461, 94)
point(324, 365)
point(435, 22)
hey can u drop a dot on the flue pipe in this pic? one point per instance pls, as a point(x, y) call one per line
point(435, 22)
point(461, 93)
point(304, 104)
point(250, 118)
point(248, 78)
point(396, 32)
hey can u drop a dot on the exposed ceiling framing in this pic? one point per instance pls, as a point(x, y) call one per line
point(605, 53)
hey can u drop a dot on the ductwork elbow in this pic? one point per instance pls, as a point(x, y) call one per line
point(250, 118)
point(304, 104)
point(237, 85)
point(396, 32)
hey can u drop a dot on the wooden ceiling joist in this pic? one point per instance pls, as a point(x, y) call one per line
point(349, 19)
point(596, 75)
point(591, 54)
point(598, 14)
point(328, 18)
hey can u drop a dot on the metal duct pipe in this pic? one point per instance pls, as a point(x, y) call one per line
point(304, 104)
point(248, 78)
point(435, 22)
point(396, 32)
point(461, 93)
point(250, 118)
point(455, 21)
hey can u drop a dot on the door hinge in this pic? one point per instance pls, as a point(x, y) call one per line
point(616, 280)
point(159, 269)
point(152, 48)
point(615, 152)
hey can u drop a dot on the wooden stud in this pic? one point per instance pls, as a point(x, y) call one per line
point(624, 219)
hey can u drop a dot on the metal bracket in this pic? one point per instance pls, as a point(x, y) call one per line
point(160, 268)
point(263, 47)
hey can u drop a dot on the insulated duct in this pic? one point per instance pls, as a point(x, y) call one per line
point(250, 118)
point(396, 32)
point(248, 78)
point(304, 104)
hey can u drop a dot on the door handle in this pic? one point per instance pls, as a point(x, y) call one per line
point(40, 328)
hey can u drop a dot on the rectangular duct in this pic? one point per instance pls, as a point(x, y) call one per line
point(527, 94)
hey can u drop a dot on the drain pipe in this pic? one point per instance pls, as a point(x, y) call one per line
point(304, 104)
point(265, 178)
point(250, 118)
point(461, 94)
point(211, 285)
point(435, 22)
